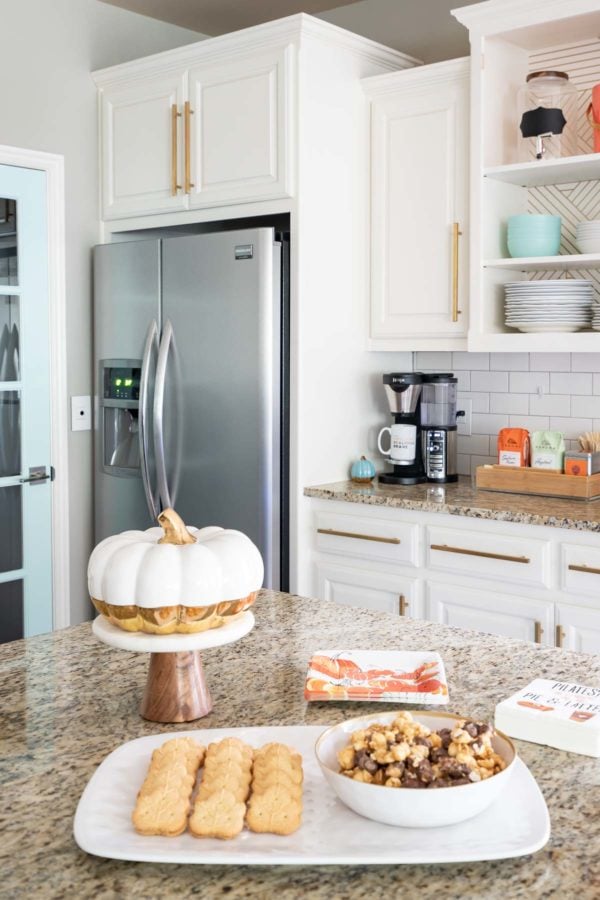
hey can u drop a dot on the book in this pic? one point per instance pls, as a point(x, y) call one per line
point(559, 714)
point(408, 676)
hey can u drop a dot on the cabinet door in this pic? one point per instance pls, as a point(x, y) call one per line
point(372, 590)
point(578, 628)
point(482, 610)
point(137, 147)
point(420, 160)
point(240, 130)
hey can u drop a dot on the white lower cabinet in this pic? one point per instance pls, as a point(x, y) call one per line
point(394, 593)
point(578, 628)
point(531, 583)
point(483, 610)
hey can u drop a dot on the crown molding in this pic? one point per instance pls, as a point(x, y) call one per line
point(493, 16)
point(248, 40)
point(421, 76)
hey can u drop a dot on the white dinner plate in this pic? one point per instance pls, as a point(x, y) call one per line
point(540, 328)
point(517, 824)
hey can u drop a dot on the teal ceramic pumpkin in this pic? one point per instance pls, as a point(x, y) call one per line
point(362, 470)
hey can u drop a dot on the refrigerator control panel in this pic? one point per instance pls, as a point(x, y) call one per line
point(121, 383)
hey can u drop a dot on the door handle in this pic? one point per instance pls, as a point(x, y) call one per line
point(151, 496)
point(167, 497)
point(187, 127)
point(175, 114)
point(37, 475)
point(456, 234)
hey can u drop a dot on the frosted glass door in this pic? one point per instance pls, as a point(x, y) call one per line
point(25, 488)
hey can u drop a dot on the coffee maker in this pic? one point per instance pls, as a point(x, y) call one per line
point(403, 392)
point(438, 424)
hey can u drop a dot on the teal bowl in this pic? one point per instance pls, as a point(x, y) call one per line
point(533, 235)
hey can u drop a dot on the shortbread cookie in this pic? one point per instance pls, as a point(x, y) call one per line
point(227, 775)
point(274, 811)
point(275, 804)
point(219, 816)
point(163, 802)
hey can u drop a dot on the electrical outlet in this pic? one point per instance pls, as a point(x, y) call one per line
point(463, 423)
point(81, 413)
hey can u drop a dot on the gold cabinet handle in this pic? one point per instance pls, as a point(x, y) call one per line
point(175, 114)
point(456, 234)
point(560, 635)
point(360, 537)
point(188, 112)
point(446, 549)
point(538, 632)
point(402, 605)
point(588, 569)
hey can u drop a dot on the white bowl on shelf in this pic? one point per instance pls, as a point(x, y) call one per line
point(411, 807)
point(588, 245)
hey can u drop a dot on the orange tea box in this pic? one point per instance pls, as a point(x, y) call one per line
point(513, 447)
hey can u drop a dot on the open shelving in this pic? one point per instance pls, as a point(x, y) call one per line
point(509, 39)
point(566, 262)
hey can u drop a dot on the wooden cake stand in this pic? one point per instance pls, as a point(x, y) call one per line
point(176, 689)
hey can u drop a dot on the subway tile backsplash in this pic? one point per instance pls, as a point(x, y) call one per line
point(526, 390)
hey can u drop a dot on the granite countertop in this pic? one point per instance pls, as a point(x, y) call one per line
point(463, 499)
point(67, 701)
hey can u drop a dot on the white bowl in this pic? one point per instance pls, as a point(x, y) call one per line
point(588, 245)
point(410, 807)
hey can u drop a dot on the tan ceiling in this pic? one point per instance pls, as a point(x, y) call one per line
point(220, 16)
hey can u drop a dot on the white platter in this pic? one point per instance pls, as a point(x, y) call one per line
point(517, 824)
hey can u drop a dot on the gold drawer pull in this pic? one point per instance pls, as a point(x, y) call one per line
point(587, 569)
point(360, 537)
point(538, 632)
point(560, 635)
point(402, 605)
point(446, 549)
point(174, 116)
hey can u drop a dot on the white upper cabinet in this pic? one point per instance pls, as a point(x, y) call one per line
point(214, 133)
point(139, 156)
point(419, 207)
point(239, 139)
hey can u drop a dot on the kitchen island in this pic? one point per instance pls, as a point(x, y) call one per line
point(67, 701)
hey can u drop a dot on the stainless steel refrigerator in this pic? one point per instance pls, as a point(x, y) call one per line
point(191, 370)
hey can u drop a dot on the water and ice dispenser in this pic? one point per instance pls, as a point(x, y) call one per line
point(119, 410)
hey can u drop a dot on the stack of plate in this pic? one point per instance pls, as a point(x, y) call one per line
point(587, 236)
point(552, 305)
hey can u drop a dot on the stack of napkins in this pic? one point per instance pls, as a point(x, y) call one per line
point(403, 676)
point(556, 713)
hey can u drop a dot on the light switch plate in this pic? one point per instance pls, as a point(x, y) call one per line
point(463, 423)
point(81, 413)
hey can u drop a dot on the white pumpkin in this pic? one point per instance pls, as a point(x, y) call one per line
point(174, 579)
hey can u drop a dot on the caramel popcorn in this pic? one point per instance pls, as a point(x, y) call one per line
point(406, 753)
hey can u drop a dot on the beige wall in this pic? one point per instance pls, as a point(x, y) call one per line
point(48, 102)
point(424, 29)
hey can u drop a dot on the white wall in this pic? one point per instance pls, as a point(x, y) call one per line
point(48, 102)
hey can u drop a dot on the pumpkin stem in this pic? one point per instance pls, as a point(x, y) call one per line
point(174, 528)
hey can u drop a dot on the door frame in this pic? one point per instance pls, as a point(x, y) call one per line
point(53, 165)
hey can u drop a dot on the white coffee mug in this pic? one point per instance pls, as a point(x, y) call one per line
point(403, 444)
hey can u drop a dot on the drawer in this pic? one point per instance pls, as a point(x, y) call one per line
point(488, 555)
point(396, 594)
point(364, 537)
point(580, 569)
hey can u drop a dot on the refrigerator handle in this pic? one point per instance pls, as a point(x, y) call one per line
point(151, 343)
point(159, 403)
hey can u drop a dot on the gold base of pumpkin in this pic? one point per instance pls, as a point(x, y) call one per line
point(173, 619)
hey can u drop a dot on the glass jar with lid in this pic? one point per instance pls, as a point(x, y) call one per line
point(547, 107)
